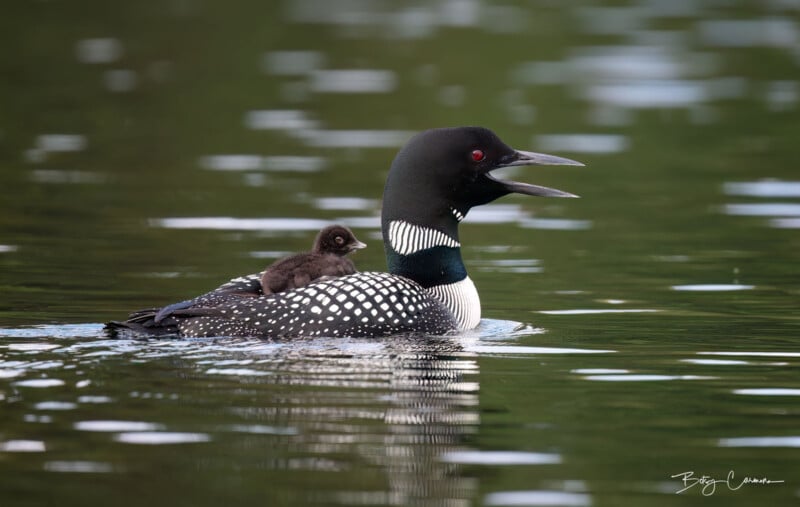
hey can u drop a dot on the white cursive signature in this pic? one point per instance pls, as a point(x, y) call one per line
point(709, 484)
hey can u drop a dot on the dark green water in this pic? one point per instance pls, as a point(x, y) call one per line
point(149, 152)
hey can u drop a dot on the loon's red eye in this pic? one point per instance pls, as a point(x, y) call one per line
point(478, 155)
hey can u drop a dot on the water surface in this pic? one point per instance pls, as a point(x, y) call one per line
point(150, 152)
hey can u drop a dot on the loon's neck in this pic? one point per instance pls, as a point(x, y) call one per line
point(432, 258)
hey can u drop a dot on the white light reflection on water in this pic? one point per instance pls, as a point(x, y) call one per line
point(59, 176)
point(55, 405)
point(520, 349)
point(98, 51)
point(353, 81)
point(497, 214)
point(353, 138)
point(116, 426)
point(556, 224)
point(61, 142)
point(768, 391)
point(751, 353)
point(415, 21)
point(637, 62)
point(763, 188)
point(774, 209)
point(776, 31)
point(599, 371)
point(161, 438)
point(715, 362)
point(33, 347)
point(240, 224)
point(345, 203)
point(261, 429)
point(583, 143)
point(596, 311)
point(785, 223)
point(245, 162)
point(649, 94)
point(22, 446)
point(639, 377)
point(369, 222)
point(84, 467)
point(782, 441)
point(516, 214)
point(538, 498)
point(237, 372)
point(510, 266)
point(40, 383)
point(269, 254)
point(500, 458)
point(782, 95)
point(279, 119)
point(713, 287)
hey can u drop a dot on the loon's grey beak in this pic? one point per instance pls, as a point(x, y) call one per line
point(357, 245)
point(533, 158)
point(520, 158)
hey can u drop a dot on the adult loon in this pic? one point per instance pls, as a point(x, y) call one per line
point(433, 182)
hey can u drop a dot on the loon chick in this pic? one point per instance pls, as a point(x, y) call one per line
point(326, 258)
point(433, 182)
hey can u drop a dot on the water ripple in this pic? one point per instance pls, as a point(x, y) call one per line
point(768, 391)
point(22, 446)
point(84, 467)
point(596, 311)
point(784, 441)
point(713, 287)
point(500, 458)
point(115, 426)
point(519, 349)
point(161, 438)
point(638, 377)
point(538, 498)
point(40, 383)
point(763, 188)
point(240, 224)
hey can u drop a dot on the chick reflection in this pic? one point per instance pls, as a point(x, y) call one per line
point(378, 414)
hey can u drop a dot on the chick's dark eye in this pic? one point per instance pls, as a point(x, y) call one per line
point(339, 240)
point(478, 155)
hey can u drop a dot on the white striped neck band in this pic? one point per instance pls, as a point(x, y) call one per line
point(407, 238)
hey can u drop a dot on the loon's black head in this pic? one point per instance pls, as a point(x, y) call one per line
point(440, 174)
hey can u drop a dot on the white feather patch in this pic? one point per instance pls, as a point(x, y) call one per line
point(407, 238)
point(462, 299)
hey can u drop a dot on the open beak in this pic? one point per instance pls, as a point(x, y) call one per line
point(519, 158)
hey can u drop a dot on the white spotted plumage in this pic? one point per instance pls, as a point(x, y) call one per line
point(362, 304)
